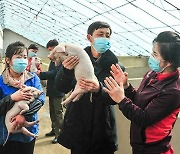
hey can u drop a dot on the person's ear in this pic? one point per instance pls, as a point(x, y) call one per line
point(89, 37)
point(168, 64)
point(7, 60)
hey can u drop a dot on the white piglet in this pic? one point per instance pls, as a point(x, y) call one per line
point(34, 62)
point(21, 107)
point(84, 69)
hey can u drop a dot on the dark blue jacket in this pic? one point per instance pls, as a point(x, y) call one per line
point(50, 77)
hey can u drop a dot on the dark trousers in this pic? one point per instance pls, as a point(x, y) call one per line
point(137, 152)
point(16, 147)
point(56, 113)
point(102, 152)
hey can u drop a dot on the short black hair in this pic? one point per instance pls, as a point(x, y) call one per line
point(96, 25)
point(33, 46)
point(52, 43)
point(169, 47)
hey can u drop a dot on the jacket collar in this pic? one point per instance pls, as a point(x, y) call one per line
point(152, 80)
point(8, 80)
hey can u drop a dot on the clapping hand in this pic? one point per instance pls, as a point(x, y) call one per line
point(115, 90)
point(115, 86)
point(119, 75)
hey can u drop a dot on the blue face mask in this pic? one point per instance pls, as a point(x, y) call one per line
point(31, 54)
point(101, 44)
point(154, 64)
point(19, 65)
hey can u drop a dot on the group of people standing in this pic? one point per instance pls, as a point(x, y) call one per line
point(89, 124)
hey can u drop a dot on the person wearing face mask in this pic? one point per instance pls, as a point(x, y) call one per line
point(13, 79)
point(89, 127)
point(33, 60)
point(153, 107)
point(55, 97)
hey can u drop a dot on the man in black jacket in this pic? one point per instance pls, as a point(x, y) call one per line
point(55, 97)
point(89, 127)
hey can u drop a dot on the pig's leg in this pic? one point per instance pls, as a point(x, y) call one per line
point(28, 124)
point(24, 108)
point(75, 95)
point(25, 132)
point(78, 96)
point(72, 96)
point(69, 99)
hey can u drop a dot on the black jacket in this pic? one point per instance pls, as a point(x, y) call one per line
point(6, 104)
point(88, 127)
point(50, 77)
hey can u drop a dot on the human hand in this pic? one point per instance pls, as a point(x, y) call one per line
point(89, 85)
point(70, 62)
point(115, 90)
point(21, 95)
point(119, 75)
point(38, 72)
point(18, 121)
point(37, 61)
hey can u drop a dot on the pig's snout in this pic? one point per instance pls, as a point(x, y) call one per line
point(50, 56)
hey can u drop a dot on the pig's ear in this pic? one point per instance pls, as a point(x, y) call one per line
point(60, 49)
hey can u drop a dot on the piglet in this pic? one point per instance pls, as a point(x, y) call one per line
point(35, 62)
point(84, 69)
point(21, 107)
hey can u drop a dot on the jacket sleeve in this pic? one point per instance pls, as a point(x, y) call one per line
point(102, 96)
point(157, 109)
point(130, 92)
point(33, 108)
point(6, 104)
point(39, 102)
point(49, 74)
point(64, 80)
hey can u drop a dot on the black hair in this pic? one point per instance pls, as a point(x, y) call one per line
point(52, 43)
point(169, 47)
point(33, 46)
point(13, 47)
point(17, 43)
point(96, 25)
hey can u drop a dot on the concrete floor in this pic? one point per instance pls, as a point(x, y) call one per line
point(44, 146)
